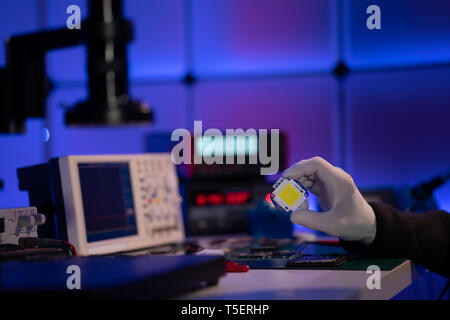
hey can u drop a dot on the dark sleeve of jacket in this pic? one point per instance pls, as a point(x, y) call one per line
point(421, 237)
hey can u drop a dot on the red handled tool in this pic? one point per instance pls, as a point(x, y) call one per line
point(231, 266)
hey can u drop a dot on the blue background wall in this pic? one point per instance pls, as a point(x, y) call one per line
point(263, 64)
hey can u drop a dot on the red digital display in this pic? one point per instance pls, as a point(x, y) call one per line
point(218, 198)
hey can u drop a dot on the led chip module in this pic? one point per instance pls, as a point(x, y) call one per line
point(289, 195)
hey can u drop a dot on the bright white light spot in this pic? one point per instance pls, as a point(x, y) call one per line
point(45, 135)
point(238, 145)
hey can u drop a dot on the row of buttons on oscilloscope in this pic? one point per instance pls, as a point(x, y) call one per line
point(151, 165)
point(161, 217)
point(162, 232)
point(151, 194)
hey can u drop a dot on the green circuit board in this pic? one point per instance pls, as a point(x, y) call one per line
point(276, 255)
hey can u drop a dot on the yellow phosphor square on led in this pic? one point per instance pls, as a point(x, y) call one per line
point(289, 195)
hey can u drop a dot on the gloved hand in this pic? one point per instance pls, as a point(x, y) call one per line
point(346, 214)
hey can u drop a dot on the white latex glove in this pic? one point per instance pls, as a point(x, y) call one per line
point(346, 214)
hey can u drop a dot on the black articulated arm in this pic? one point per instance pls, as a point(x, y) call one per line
point(24, 79)
point(24, 86)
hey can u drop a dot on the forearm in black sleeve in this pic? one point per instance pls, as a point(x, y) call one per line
point(421, 237)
